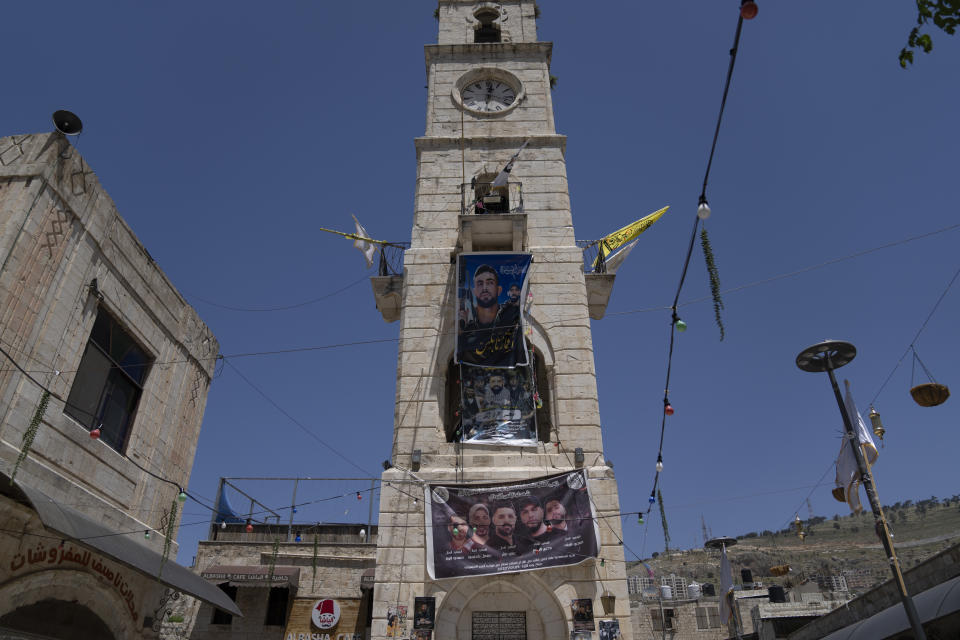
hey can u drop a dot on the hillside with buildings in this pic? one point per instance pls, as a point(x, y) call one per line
point(841, 553)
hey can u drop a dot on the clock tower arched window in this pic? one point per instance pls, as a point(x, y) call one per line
point(487, 30)
point(454, 400)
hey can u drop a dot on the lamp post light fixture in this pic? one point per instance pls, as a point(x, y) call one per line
point(828, 356)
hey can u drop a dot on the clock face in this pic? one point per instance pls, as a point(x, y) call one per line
point(488, 96)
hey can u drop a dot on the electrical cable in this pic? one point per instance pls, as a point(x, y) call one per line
point(295, 421)
point(917, 336)
point(280, 308)
point(686, 263)
point(790, 274)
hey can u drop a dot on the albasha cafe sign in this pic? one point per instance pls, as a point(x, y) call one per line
point(324, 615)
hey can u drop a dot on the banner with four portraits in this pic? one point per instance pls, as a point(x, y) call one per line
point(485, 529)
point(498, 390)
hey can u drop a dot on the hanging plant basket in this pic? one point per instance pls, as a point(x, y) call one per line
point(930, 394)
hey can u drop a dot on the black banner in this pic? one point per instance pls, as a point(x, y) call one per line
point(475, 530)
point(498, 405)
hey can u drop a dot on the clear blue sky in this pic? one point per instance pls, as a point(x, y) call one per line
point(227, 133)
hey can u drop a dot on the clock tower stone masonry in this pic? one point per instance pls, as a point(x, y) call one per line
point(488, 83)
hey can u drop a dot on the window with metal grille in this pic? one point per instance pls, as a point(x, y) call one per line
point(109, 381)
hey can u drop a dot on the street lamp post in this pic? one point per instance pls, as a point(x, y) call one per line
point(827, 356)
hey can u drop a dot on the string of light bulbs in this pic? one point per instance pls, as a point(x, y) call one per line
point(748, 10)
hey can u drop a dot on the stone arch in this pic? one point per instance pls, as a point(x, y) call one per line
point(546, 618)
point(71, 586)
point(487, 23)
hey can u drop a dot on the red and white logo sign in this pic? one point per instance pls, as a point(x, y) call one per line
point(326, 614)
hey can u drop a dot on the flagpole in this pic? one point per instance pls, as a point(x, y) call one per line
point(827, 356)
point(353, 236)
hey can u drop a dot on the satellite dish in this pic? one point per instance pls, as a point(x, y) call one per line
point(67, 123)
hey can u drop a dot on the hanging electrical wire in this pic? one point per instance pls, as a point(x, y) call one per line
point(703, 212)
point(910, 347)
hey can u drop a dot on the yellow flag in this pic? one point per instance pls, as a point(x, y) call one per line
point(622, 236)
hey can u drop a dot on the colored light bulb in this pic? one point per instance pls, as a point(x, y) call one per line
point(456, 531)
point(95, 433)
point(249, 528)
point(298, 538)
point(359, 497)
point(748, 9)
point(639, 518)
point(146, 534)
point(668, 409)
point(182, 496)
point(680, 325)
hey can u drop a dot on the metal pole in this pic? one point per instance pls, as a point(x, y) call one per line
point(663, 621)
point(373, 485)
point(293, 507)
point(216, 514)
point(883, 532)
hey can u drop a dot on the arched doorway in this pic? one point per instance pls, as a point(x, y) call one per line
point(57, 619)
point(65, 604)
point(512, 593)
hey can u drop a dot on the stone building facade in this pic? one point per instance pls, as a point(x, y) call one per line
point(278, 582)
point(86, 314)
point(469, 143)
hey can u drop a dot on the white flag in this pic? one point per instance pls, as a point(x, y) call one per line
point(367, 248)
point(848, 471)
point(848, 477)
point(501, 178)
point(614, 261)
point(869, 449)
point(726, 587)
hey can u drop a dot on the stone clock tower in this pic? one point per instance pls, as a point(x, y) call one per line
point(489, 93)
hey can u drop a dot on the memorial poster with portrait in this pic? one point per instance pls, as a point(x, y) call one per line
point(498, 406)
point(424, 611)
point(491, 290)
point(610, 630)
point(486, 529)
point(582, 610)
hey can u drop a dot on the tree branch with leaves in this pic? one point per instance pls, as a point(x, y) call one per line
point(944, 14)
